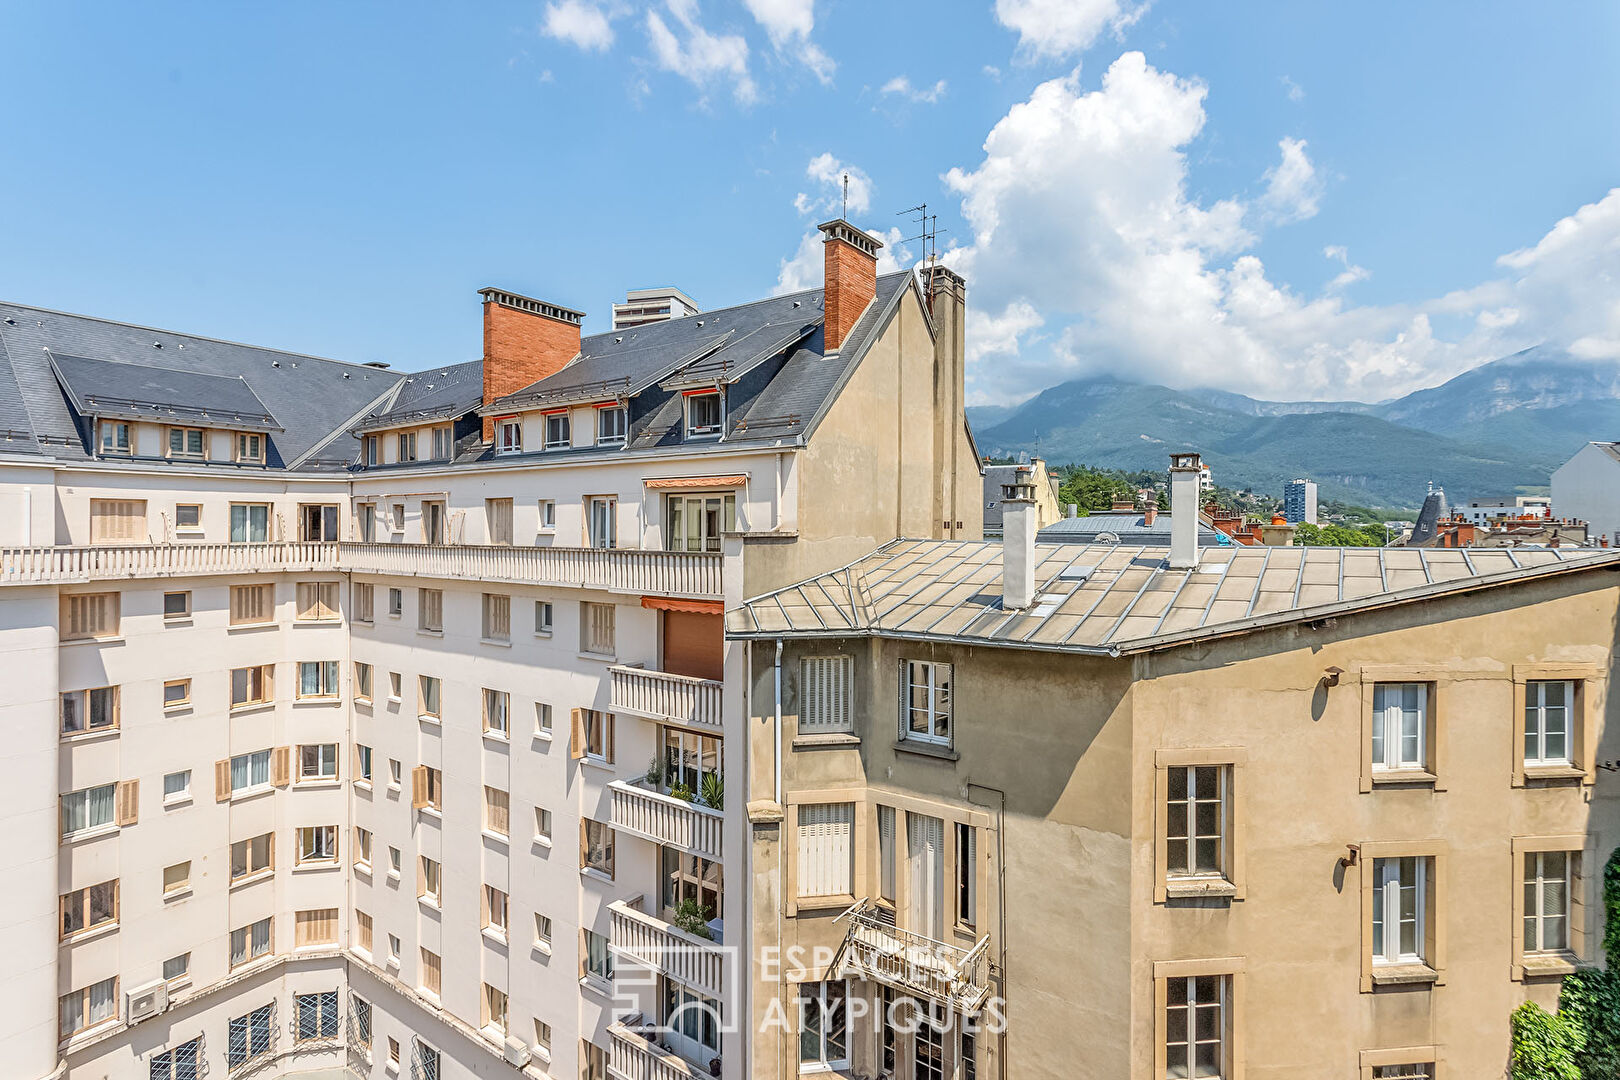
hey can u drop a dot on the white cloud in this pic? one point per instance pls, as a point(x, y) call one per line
point(1054, 29)
point(1296, 92)
point(806, 269)
point(901, 85)
point(788, 23)
point(829, 173)
point(581, 23)
point(1351, 272)
point(1293, 189)
point(697, 55)
point(1087, 254)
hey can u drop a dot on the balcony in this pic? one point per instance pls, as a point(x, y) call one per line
point(914, 963)
point(633, 1056)
point(660, 696)
point(76, 565)
point(665, 819)
point(650, 941)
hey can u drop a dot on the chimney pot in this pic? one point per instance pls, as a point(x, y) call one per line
point(849, 260)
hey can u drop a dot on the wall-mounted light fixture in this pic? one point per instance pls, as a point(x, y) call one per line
point(1351, 856)
point(1331, 676)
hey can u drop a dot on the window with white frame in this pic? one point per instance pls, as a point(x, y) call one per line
point(396, 602)
point(250, 523)
point(542, 929)
point(1548, 877)
point(188, 517)
point(364, 600)
point(597, 958)
point(967, 875)
point(497, 617)
point(494, 1018)
point(542, 823)
point(249, 448)
point(87, 809)
point(428, 693)
point(509, 435)
point(823, 1026)
point(927, 702)
point(542, 718)
point(407, 446)
point(699, 522)
point(177, 878)
point(1400, 726)
point(495, 910)
point(596, 628)
point(824, 694)
point(826, 849)
point(612, 423)
point(317, 679)
point(497, 712)
point(177, 968)
point(317, 761)
point(177, 786)
point(250, 772)
point(548, 514)
point(602, 520)
point(1196, 821)
point(689, 758)
point(372, 456)
point(88, 1006)
point(85, 711)
point(703, 415)
point(1417, 1070)
point(689, 877)
point(317, 844)
point(433, 522)
point(592, 736)
point(430, 610)
point(443, 443)
point(886, 853)
point(89, 908)
point(429, 880)
point(596, 844)
point(1400, 890)
point(318, 522)
point(1195, 1025)
point(362, 848)
point(1548, 706)
point(687, 1014)
point(558, 435)
point(250, 942)
point(542, 617)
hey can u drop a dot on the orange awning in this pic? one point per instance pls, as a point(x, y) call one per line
point(695, 607)
point(697, 481)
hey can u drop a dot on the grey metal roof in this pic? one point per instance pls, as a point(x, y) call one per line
point(122, 391)
point(1116, 598)
point(431, 395)
point(316, 401)
point(1130, 527)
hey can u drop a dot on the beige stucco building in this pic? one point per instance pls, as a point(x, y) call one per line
point(1232, 812)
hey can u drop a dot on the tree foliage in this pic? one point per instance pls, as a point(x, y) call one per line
point(1308, 535)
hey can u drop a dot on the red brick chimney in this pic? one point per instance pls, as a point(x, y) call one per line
point(850, 259)
point(524, 341)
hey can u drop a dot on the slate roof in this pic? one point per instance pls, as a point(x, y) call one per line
point(1110, 599)
point(314, 401)
point(430, 395)
point(121, 391)
point(1130, 527)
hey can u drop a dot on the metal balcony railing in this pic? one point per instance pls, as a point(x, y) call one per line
point(913, 962)
point(659, 695)
point(665, 819)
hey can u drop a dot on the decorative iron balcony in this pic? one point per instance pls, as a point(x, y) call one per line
point(665, 819)
point(653, 943)
point(658, 695)
point(915, 963)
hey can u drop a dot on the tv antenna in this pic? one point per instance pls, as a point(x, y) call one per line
point(928, 231)
point(845, 213)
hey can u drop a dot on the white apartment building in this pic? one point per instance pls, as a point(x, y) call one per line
point(378, 725)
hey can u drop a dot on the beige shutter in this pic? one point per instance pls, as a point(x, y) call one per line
point(584, 843)
point(576, 736)
point(421, 878)
point(607, 736)
point(825, 855)
point(129, 798)
point(279, 770)
point(483, 906)
point(117, 521)
point(419, 787)
point(222, 780)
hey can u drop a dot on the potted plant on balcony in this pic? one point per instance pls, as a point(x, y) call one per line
point(681, 791)
point(713, 791)
point(655, 772)
point(692, 917)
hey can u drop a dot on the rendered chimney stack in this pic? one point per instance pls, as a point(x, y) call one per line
point(524, 341)
point(1151, 514)
point(850, 265)
point(1018, 526)
point(1184, 473)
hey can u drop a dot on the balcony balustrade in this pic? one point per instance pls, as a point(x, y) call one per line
point(634, 1056)
point(665, 819)
point(660, 696)
point(650, 941)
point(75, 565)
point(915, 963)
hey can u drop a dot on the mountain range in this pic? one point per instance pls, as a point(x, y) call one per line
point(1499, 429)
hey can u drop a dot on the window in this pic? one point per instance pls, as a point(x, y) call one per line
point(1195, 1025)
point(361, 598)
point(317, 601)
point(362, 762)
point(427, 788)
point(360, 1009)
point(967, 875)
point(542, 823)
point(1399, 893)
point(430, 610)
point(362, 848)
point(188, 517)
point(91, 710)
point(428, 693)
point(601, 515)
point(495, 910)
point(557, 432)
point(407, 446)
point(542, 718)
point(689, 758)
point(592, 735)
point(824, 687)
point(250, 523)
point(826, 849)
point(177, 786)
point(702, 415)
point(252, 604)
point(252, 685)
point(509, 435)
point(316, 927)
point(425, 1061)
point(393, 1051)
point(598, 960)
point(689, 1014)
point(177, 968)
point(886, 856)
point(317, 679)
point(176, 693)
point(1400, 728)
point(393, 949)
point(176, 605)
point(927, 702)
point(185, 442)
point(925, 867)
point(253, 856)
point(429, 880)
point(250, 772)
point(114, 437)
point(317, 843)
point(1547, 711)
point(393, 772)
point(430, 972)
point(595, 846)
point(596, 628)
point(494, 1010)
point(367, 522)
point(249, 448)
point(371, 455)
point(542, 929)
point(689, 877)
point(362, 683)
point(250, 1037)
point(87, 809)
point(177, 878)
point(1417, 1070)
point(497, 617)
point(89, 1006)
point(1196, 822)
point(1547, 889)
point(396, 518)
point(542, 1036)
point(184, 1062)
point(317, 1015)
point(89, 615)
point(593, 1061)
point(542, 618)
point(89, 908)
point(433, 522)
point(548, 515)
point(497, 811)
point(612, 422)
point(823, 1026)
point(498, 512)
point(250, 942)
point(317, 761)
point(396, 602)
point(443, 444)
point(697, 522)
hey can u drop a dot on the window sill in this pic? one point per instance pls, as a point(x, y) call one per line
point(367, 623)
point(495, 837)
point(317, 622)
point(394, 876)
point(1182, 888)
point(423, 631)
point(543, 736)
point(597, 763)
point(1403, 776)
point(362, 785)
point(176, 620)
point(177, 894)
point(543, 634)
point(1540, 965)
point(430, 903)
point(84, 835)
point(816, 903)
point(170, 708)
point(541, 947)
point(596, 985)
point(498, 737)
point(432, 812)
point(249, 707)
point(922, 749)
point(491, 934)
point(318, 782)
point(1403, 974)
point(244, 794)
point(362, 702)
point(542, 841)
point(602, 876)
point(363, 868)
point(249, 879)
point(1554, 772)
point(249, 628)
point(424, 718)
point(316, 866)
point(499, 643)
point(601, 658)
point(91, 736)
point(92, 933)
point(824, 739)
point(114, 639)
point(175, 802)
point(324, 699)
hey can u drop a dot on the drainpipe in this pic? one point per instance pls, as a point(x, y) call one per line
point(1001, 903)
point(778, 733)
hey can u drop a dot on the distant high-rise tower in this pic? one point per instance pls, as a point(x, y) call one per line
point(652, 305)
point(1299, 501)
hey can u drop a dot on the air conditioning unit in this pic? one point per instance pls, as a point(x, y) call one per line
point(517, 1052)
point(146, 1001)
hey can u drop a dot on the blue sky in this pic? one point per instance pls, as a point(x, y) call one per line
point(1286, 199)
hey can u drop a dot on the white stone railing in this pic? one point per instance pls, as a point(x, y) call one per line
point(661, 696)
point(665, 819)
point(653, 573)
point(654, 943)
point(635, 1057)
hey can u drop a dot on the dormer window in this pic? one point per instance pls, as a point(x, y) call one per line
point(611, 424)
point(509, 435)
point(372, 450)
point(249, 448)
point(443, 444)
point(185, 442)
point(703, 415)
point(114, 437)
point(407, 446)
point(558, 436)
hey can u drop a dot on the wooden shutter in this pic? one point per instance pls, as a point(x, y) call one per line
point(222, 780)
point(824, 693)
point(419, 787)
point(607, 736)
point(421, 878)
point(129, 798)
point(316, 927)
point(483, 906)
point(694, 644)
point(279, 770)
point(115, 521)
point(576, 735)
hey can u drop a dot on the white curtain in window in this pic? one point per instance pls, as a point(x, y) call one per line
point(925, 844)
